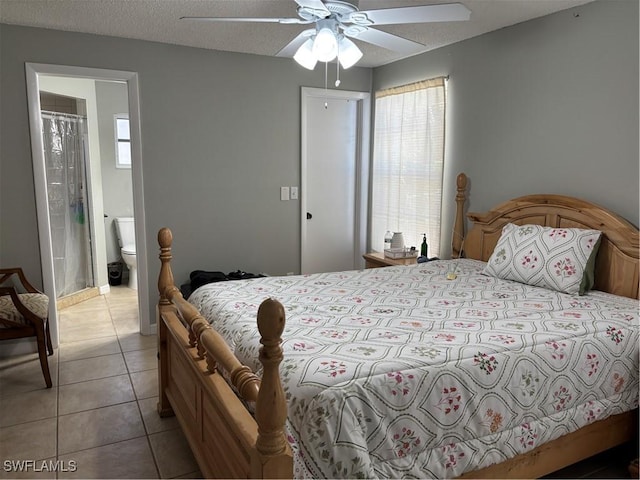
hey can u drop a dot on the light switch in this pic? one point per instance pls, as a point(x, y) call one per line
point(284, 193)
point(294, 193)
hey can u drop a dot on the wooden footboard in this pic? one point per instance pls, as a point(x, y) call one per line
point(226, 440)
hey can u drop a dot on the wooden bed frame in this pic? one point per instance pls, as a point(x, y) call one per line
point(228, 442)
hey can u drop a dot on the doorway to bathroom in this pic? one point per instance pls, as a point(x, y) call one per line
point(97, 182)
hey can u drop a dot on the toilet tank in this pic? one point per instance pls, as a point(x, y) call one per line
point(125, 228)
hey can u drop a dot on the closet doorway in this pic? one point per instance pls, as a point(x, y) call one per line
point(334, 179)
point(80, 182)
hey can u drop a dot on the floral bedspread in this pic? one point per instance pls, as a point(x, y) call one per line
point(397, 371)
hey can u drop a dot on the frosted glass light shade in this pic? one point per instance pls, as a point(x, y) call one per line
point(325, 45)
point(349, 53)
point(305, 56)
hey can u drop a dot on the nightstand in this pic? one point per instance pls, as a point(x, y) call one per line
point(377, 260)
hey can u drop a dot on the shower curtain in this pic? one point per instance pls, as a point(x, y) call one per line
point(64, 152)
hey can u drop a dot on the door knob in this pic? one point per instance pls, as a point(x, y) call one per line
point(309, 216)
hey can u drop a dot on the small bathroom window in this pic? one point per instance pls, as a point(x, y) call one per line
point(123, 141)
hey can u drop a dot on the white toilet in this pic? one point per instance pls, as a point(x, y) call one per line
point(125, 227)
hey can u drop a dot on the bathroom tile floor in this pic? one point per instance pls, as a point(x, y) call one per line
point(100, 418)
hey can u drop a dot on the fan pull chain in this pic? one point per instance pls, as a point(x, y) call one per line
point(338, 66)
point(326, 93)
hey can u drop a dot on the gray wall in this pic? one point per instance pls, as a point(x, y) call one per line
point(117, 189)
point(546, 106)
point(549, 105)
point(220, 135)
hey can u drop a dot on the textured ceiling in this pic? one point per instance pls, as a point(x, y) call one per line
point(159, 21)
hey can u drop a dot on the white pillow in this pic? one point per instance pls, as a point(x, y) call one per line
point(561, 259)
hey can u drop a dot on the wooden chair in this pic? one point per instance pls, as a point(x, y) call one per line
point(25, 314)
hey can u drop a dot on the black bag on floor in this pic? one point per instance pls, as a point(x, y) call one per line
point(197, 278)
point(201, 277)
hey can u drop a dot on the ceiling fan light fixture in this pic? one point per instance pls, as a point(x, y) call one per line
point(305, 56)
point(349, 53)
point(331, 20)
point(325, 45)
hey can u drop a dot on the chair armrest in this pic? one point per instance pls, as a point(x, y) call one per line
point(8, 272)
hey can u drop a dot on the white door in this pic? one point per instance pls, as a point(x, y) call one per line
point(333, 179)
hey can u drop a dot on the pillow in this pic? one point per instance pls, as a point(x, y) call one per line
point(561, 259)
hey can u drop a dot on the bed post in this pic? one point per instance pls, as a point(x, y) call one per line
point(457, 241)
point(273, 458)
point(165, 279)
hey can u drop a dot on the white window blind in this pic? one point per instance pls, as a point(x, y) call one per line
point(408, 157)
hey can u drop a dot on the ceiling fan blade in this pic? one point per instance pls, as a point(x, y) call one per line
point(318, 6)
point(385, 40)
point(447, 12)
point(292, 47)
point(285, 21)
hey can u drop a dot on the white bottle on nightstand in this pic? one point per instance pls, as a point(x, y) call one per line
point(387, 240)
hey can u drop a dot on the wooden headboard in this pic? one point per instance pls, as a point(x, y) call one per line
point(618, 257)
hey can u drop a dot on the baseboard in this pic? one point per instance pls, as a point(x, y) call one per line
point(104, 289)
point(152, 330)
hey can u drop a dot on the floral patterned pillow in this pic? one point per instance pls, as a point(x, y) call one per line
point(561, 259)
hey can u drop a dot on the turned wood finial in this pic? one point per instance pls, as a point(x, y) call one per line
point(461, 182)
point(457, 239)
point(165, 278)
point(271, 324)
point(271, 407)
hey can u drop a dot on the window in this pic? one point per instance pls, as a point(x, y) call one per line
point(408, 158)
point(123, 141)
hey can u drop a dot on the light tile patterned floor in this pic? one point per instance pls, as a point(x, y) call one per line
point(101, 412)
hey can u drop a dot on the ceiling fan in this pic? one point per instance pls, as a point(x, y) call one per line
point(335, 22)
